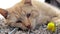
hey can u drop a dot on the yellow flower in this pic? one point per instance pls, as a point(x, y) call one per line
point(51, 26)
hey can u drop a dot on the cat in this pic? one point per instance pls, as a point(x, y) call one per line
point(28, 14)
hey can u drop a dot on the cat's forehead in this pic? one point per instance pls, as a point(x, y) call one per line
point(28, 9)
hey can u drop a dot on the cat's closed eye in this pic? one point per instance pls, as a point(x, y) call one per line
point(18, 21)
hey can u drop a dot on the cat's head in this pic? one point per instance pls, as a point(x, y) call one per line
point(28, 19)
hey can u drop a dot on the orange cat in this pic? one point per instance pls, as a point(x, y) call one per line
point(28, 14)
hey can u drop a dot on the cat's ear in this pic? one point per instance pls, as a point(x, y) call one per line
point(3, 12)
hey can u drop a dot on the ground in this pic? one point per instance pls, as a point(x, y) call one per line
point(38, 30)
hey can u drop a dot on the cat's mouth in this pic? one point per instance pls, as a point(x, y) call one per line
point(27, 28)
point(20, 29)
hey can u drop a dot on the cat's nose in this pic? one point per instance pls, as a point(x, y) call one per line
point(29, 26)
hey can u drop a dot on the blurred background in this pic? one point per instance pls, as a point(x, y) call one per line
point(54, 2)
point(8, 3)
